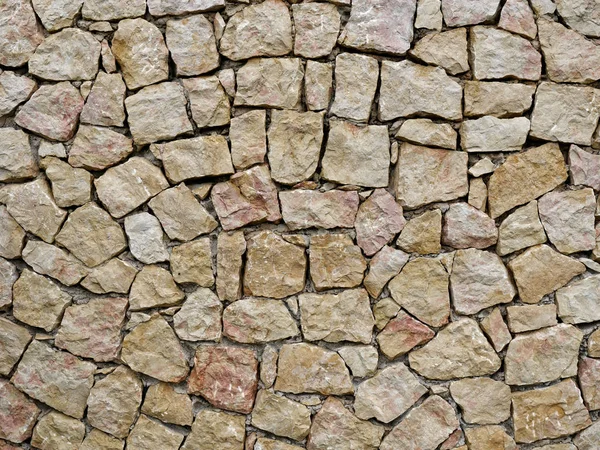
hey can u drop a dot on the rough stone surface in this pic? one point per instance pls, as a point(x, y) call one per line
point(335, 262)
point(384, 265)
point(305, 208)
point(216, 429)
point(521, 229)
point(165, 403)
point(146, 241)
point(492, 98)
point(317, 26)
point(447, 50)
point(426, 132)
point(460, 12)
point(361, 359)
point(230, 250)
point(115, 275)
point(248, 137)
point(518, 18)
point(578, 302)
point(14, 90)
point(191, 42)
point(17, 162)
point(317, 85)
point(13, 341)
point(96, 148)
point(402, 334)
point(356, 82)
point(154, 286)
point(490, 134)
point(192, 263)
point(148, 433)
point(465, 226)
point(55, 430)
point(281, 416)
point(482, 400)
point(530, 317)
point(584, 167)
point(20, 34)
point(208, 101)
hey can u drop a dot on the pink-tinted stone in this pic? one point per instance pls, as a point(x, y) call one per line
point(385, 265)
point(227, 377)
point(248, 197)
point(303, 208)
point(584, 167)
point(589, 380)
point(517, 17)
point(20, 34)
point(17, 414)
point(402, 334)
point(496, 330)
point(93, 329)
point(378, 220)
point(52, 111)
point(468, 12)
point(465, 226)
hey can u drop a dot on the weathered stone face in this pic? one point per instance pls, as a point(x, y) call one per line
point(168, 405)
point(482, 400)
point(335, 262)
point(305, 209)
point(17, 415)
point(55, 430)
point(216, 429)
point(281, 416)
point(191, 42)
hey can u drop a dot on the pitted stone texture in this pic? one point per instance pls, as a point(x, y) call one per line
point(483, 98)
point(52, 111)
point(305, 208)
point(13, 341)
point(579, 302)
point(154, 287)
point(426, 175)
point(384, 265)
point(146, 239)
point(216, 429)
point(520, 230)
point(465, 12)
point(20, 34)
point(192, 45)
point(540, 270)
point(388, 394)
point(97, 148)
point(227, 377)
point(583, 16)
point(422, 289)
point(256, 321)
point(482, 400)
point(447, 50)
point(140, 50)
point(467, 227)
point(549, 412)
point(384, 26)
point(280, 416)
point(152, 348)
point(165, 403)
point(335, 262)
point(316, 29)
point(199, 319)
point(113, 276)
point(17, 162)
point(56, 378)
point(459, 350)
point(409, 89)
point(55, 430)
point(355, 85)
point(192, 263)
point(248, 139)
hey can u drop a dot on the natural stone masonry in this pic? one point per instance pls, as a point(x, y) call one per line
point(287, 225)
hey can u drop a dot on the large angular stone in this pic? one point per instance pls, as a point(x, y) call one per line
point(52, 111)
point(498, 54)
point(192, 45)
point(426, 175)
point(459, 350)
point(256, 321)
point(306, 368)
point(305, 208)
point(93, 329)
point(146, 240)
point(14, 90)
point(96, 148)
point(316, 29)
point(91, 235)
point(248, 197)
point(427, 132)
point(176, 7)
point(227, 377)
point(422, 234)
point(335, 262)
point(20, 34)
point(422, 289)
point(294, 145)
point(543, 355)
point(148, 433)
point(317, 85)
point(280, 416)
point(55, 430)
point(483, 98)
point(384, 265)
point(55, 378)
point(565, 113)
point(104, 104)
point(274, 268)
point(387, 395)
point(426, 426)
point(524, 177)
point(270, 82)
point(339, 317)
point(355, 85)
point(209, 102)
point(490, 134)
point(582, 16)
point(192, 263)
point(248, 138)
point(154, 287)
point(17, 162)
point(458, 13)
point(334, 427)
point(548, 412)
point(49, 260)
point(71, 187)
point(70, 54)
point(384, 26)
point(13, 341)
point(409, 89)
point(17, 414)
point(520, 230)
point(230, 251)
point(165, 403)
point(357, 155)
point(540, 271)
point(482, 400)
point(465, 226)
point(579, 302)
point(216, 429)
point(584, 167)
point(568, 218)
point(114, 402)
point(114, 276)
point(140, 50)
point(152, 348)
point(447, 50)
point(37, 301)
point(157, 113)
point(402, 334)
point(199, 319)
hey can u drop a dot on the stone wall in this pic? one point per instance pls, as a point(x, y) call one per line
point(278, 225)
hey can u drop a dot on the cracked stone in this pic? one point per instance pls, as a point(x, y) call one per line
point(13, 341)
point(520, 230)
point(154, 287)
point(361, 359)
point(209, 102)
point(14, 90)
point(495, 328)
point(401, 335)
point(384, 265)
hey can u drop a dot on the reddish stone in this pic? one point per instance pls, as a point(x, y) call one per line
point(589, 380)
point(402, 334)
point(17, 414)
point(227, 377)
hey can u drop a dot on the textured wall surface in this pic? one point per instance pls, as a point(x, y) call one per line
point(284, 225)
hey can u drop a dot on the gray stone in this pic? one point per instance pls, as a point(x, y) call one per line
point(17, 162)
point(490, 134)
point(466, 12)
point(146, 240)
point(316, 29)
point(20, 34)
point(14, 90)
point(498, 99)
point(579, 302)
point(199, 318)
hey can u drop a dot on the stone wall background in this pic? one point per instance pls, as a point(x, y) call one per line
point(280, 225)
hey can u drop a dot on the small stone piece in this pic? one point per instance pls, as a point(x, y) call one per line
point(280, 416)
point(579, 302)
point(482, 400)
point(248, 139)
point(316, 29)
point(305, 208)
point(317, 85)
point(97, 148)
point(52, 111)
point(14, 90)
point(268, 366)
point(209, 103)
point(355, 85)
point(13, 341)
point(157, 112)
point(535, 412)
point(385, 265)
point(104, 104)
point(17, 162)
point(295, 141)
point(409, 89)
point(494, 326)
point(199, 319)
point(426, 132)
point(429, 15)
point(520, 230)
point(270, 82)
point(426, 426)
point(466, 227)
point(109, 63)
point(334, 426)
point(337, 317)
point(8, 276)
point(114, 276)
point(56, 378)
point(230, 251)
point(152, 434)
point(524, 177)
point(93, 329)
point(498, 99)
point(477, 194)
point(165, 403)
point(146, 240)
point(422, 289)
point(70, 54)
point(154, 287)
point(490, 134)
point(540, 270)
point(401, 335)
point(20, 35)
point(256, 321)
point(565, 113)
point(192, 263)
point(357, 155)
point(361, 359)
point(112, 9)
point(568, 218)
point(530, 317)
point(227, 377)
point(306, 368)
point(459, 350)
point(335, 262)
point(114, 401)
point(517, 17)
point(499, 54)
point(216, 429)
point(274, 268)
point(191, 42)
point(153, 349)
point(447, 50)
